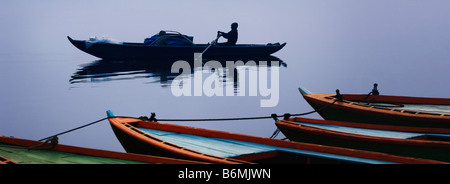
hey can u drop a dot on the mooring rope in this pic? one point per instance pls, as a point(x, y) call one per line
point(100, 120)
point(152, 118)
point(230, 119)
point(273, 116)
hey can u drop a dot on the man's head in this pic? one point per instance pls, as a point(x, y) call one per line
point(234, 25)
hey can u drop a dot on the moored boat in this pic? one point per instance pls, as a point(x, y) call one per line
point(149, 137)
point(182, 47)
point(395, 140)
point(381, 109)
point(24, 151)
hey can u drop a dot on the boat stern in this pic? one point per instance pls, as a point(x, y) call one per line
point(304, 91)
point(78, 44)
point(110, 114)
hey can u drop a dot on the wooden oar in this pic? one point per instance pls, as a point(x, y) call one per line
point(212, 43)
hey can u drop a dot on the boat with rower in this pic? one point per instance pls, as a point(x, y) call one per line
point(407, 111)
point(143, 136)
point(396, 140)
point(171, 45)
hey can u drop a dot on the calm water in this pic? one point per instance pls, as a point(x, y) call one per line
point(48, 86)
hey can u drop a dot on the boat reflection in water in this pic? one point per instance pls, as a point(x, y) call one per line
point(161, 70)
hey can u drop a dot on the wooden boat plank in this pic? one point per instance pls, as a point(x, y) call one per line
point(22, 155)
point(363, 131)
point(232, 148)
point(17, 151)
point(374, 132)
point(212, 146)
point(396, 99)
point(441, 109)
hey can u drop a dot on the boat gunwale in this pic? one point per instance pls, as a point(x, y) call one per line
point(128, 128)
point(297, 125)
point(424, 130)
point(347, 104)
point(274, 142)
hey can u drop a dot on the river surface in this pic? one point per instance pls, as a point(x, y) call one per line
point(48, 86)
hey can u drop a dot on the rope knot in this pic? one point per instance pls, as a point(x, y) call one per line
point(286, 116)
point(53, 141)
point(375, 90)
point(152, 117)
point(338, 95)
point(275, 117)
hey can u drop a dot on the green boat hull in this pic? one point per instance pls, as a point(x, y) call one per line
point(23, 155)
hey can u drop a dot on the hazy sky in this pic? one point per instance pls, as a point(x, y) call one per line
point(41, 26)
point(389, 41)
point(404, 45)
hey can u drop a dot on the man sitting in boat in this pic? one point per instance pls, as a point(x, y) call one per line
point(232, 36)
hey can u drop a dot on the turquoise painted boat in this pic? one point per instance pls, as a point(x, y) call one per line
point(169, 140)
point(386, 139)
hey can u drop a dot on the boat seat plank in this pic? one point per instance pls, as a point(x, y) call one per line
point(363, 131)
point(418, 108)
point(441, 109)
point(212, 146)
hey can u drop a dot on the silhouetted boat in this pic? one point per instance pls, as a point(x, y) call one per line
point(382, 109)
point(379, 138)
point(148, 137)
point(23, 151)
point(107, 49)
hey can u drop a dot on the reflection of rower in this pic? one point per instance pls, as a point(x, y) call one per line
point(232, 36)
point(108, 70)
